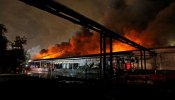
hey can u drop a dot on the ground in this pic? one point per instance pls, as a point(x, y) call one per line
point(79, 89)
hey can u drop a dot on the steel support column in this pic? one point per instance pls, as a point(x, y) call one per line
point(104, 55)
point(144, 57)
point(130, 61)
point(155, 64)
point(141, 60)
point(111, 56)
point(40, 64)
point(101, 48)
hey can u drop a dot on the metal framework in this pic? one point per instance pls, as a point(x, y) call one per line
point(60, 10)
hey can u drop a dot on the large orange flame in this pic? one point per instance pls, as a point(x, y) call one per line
point(86, 42)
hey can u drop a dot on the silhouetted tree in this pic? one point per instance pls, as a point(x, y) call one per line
point(13, 57)
point(19, 42)
point(3, 47)
point(17, 55)
point(3, 40)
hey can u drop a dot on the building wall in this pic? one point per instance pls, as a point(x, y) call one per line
point(165, 59)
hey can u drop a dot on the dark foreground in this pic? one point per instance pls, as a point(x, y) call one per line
point(21, 86)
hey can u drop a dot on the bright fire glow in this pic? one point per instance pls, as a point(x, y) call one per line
point(88, 43)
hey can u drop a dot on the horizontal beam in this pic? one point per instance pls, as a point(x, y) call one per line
point(91, 55)
point(68, 14)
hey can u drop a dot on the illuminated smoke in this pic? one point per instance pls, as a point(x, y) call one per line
point(83, 42)
point(149, 23)
point(34, 51)
point(152, 20)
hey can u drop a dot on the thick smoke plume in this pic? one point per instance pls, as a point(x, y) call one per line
point(83, 42)
point(149, 23)
point(152, 20)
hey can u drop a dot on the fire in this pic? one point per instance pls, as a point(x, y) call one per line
point(82, 43)
point(86, 42)
point(135, 36)
point(132, 35)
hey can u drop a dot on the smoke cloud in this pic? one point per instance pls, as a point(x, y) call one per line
point(83, 42)
point(152, 19)
point(148, 22)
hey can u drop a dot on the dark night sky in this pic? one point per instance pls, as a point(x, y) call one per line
point(43, 29)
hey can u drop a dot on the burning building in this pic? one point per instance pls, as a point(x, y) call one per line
point(135, 32)
point(123, 62)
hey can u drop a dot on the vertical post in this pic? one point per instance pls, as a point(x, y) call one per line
point(40, 65)
point(144, 55)
point(34, 64)
point(130, 62)
point(141, 63)
point(53, 66)
point(111, 56)
point(137, 58)
point(155, 64)
point(104, 55)
point(101, 70)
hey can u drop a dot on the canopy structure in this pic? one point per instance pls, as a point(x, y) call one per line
point(62, 11)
